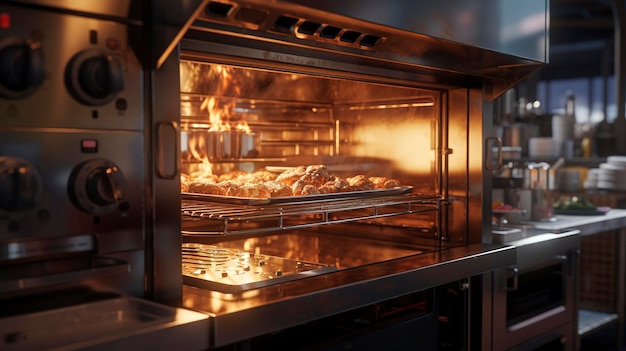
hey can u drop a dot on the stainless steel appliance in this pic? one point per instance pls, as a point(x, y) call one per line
point(74, 249)
point(534, 302)
point(359, 90)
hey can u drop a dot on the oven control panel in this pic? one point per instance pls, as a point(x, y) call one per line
point(64, 71)
point(71, 183)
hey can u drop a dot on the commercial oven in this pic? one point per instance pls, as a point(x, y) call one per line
point(146, 147)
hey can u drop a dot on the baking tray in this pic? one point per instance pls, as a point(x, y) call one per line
point(233, 271)
point(234, 200)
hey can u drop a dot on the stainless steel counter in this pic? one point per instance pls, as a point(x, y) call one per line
point(588, 225)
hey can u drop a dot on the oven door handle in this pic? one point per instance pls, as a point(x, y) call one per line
point(511, 273)
point(167, 141)
point(570, 260)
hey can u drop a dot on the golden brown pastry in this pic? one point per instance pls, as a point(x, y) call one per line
point(309, 190)
point(299, 184)
point(318, 175)
point(231, 188)
point(290, 176)
point(336, 185)
point(297, 181)
point(384, 182)
point(205, 177)
point(261, 176)
point(360, 182)
point(278, 189)
point(257, 191)
point(206, 188)
point(232, 175)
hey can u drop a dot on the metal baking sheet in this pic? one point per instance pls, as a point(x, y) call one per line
point(232, 271)
point(298, 199)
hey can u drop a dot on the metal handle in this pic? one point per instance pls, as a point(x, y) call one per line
point(570, 260)
point(514, 273)
point(161, 146)
point(488, 150)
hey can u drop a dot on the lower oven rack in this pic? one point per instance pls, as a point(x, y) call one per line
point(206, 218)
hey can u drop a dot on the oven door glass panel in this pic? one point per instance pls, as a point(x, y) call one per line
point(538, 291)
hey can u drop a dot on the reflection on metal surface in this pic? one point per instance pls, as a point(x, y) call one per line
point(228, 270)
point(517, 28)
point(443, 41)
point(113, 323)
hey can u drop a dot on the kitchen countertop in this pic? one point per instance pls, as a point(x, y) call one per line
point(587, 225)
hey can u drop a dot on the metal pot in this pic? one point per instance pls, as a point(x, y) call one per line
point(518, 134)
point(202, 144)
point(231, 145)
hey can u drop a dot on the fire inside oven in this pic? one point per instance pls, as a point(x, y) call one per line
point(271, 159)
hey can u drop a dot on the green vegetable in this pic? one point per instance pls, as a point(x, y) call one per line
point(574, 203)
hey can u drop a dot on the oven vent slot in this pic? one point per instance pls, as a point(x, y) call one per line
point(218, 9)
point(272, 21)
point(212, 218)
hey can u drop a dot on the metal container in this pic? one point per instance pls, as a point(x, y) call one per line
point(203, 144)
point(536, 196)
point(231, 145)
point(518, 134)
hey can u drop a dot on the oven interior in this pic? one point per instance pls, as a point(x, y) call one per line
point(241, 121)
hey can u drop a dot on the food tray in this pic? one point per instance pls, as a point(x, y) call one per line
point(247, 201)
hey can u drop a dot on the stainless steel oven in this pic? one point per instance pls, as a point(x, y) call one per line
point(142, 131)
point(534, 302)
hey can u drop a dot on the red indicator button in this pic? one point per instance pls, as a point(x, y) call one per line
point(89, 145)
point(5, 20)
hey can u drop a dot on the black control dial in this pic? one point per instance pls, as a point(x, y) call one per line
point(20, 185)
point(93, 77)
point(97, 186)
point(21, 67)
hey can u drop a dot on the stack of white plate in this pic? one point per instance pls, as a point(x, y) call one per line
point(591, 182)
point(541, 147)
point(612, 174)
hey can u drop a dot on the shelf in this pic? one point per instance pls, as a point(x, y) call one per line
point(590, 321)
point(211, 218)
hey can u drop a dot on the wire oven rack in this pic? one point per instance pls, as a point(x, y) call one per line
point(214, 218)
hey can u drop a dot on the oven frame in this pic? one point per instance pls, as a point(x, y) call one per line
point(465, 184)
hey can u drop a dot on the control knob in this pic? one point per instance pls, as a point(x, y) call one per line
point(20, 185)
point(98, 187)
point(21, 67)
point(94, 77)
